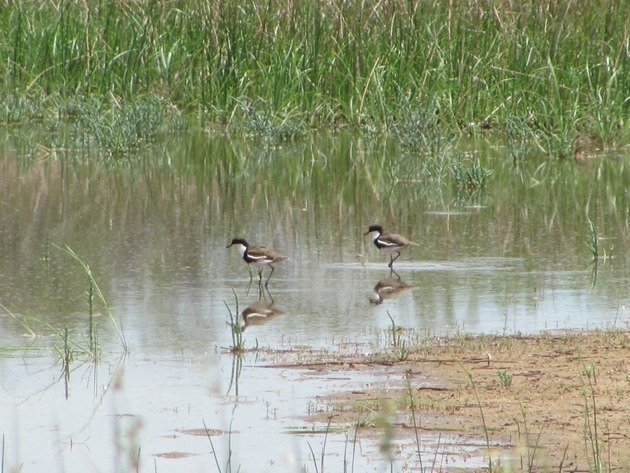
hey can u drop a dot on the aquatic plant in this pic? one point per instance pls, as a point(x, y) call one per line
point(66, 359)
point(236, 329)
point(123, 128)
point(261, 124)
point(320, 469)
point(470, 177)
point(418, 129)
point(519, 136)
point(593, 240)
point(352, 63)
point(94, 289)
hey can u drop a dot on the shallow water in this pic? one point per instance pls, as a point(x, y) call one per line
point(511, 258)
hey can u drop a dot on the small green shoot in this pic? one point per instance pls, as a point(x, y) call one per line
point(483, 418)
point(412, 407)
point(397, 339)
point(236, 329)
point(594, 445)
point(505, 378)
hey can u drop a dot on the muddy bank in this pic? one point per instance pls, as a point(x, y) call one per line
point(557, 402)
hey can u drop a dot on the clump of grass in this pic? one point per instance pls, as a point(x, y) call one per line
point(125, 127)
point(399, 344)
point(262, 125)
point(505, 378)
point(16, 108)
point(519, 136)
point(470, 177)
point(419, 130)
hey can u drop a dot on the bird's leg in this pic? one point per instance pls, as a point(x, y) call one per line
point(251, 278)
point(269, 277)
point(391, 263)
point(260, 277)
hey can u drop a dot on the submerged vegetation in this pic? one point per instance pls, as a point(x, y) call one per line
point(558, 69)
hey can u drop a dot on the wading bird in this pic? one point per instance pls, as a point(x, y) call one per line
point(389, 242)
point(258, 256)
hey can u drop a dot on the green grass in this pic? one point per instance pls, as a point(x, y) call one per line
point(505, 378)
point(94, 290)
point(236, 329)
point(593, 443)
point(470, 66)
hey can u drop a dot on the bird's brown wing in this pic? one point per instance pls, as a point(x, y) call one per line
point(269, 253)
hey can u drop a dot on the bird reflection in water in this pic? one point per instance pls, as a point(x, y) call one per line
point(260, 312)
point(389, 288)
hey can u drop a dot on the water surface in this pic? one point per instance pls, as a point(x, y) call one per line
point(509, 258)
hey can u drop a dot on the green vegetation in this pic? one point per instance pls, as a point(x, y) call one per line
point(505, 378)
point(93, 289)
point(593, 240)
point(470, 177)
point(558, 70)
point(236, 329)
point(483, 418)
point(594, 443)
point(398, 342)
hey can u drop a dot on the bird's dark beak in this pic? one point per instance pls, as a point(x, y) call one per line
point(366, 233)
point(229, 245)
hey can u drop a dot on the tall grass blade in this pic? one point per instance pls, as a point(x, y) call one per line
point(121, 336)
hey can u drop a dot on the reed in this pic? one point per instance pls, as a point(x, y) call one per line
point(474, 64)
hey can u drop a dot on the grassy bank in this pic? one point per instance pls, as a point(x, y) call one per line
point(558, 70)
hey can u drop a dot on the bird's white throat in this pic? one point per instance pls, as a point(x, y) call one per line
point(241, 249)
